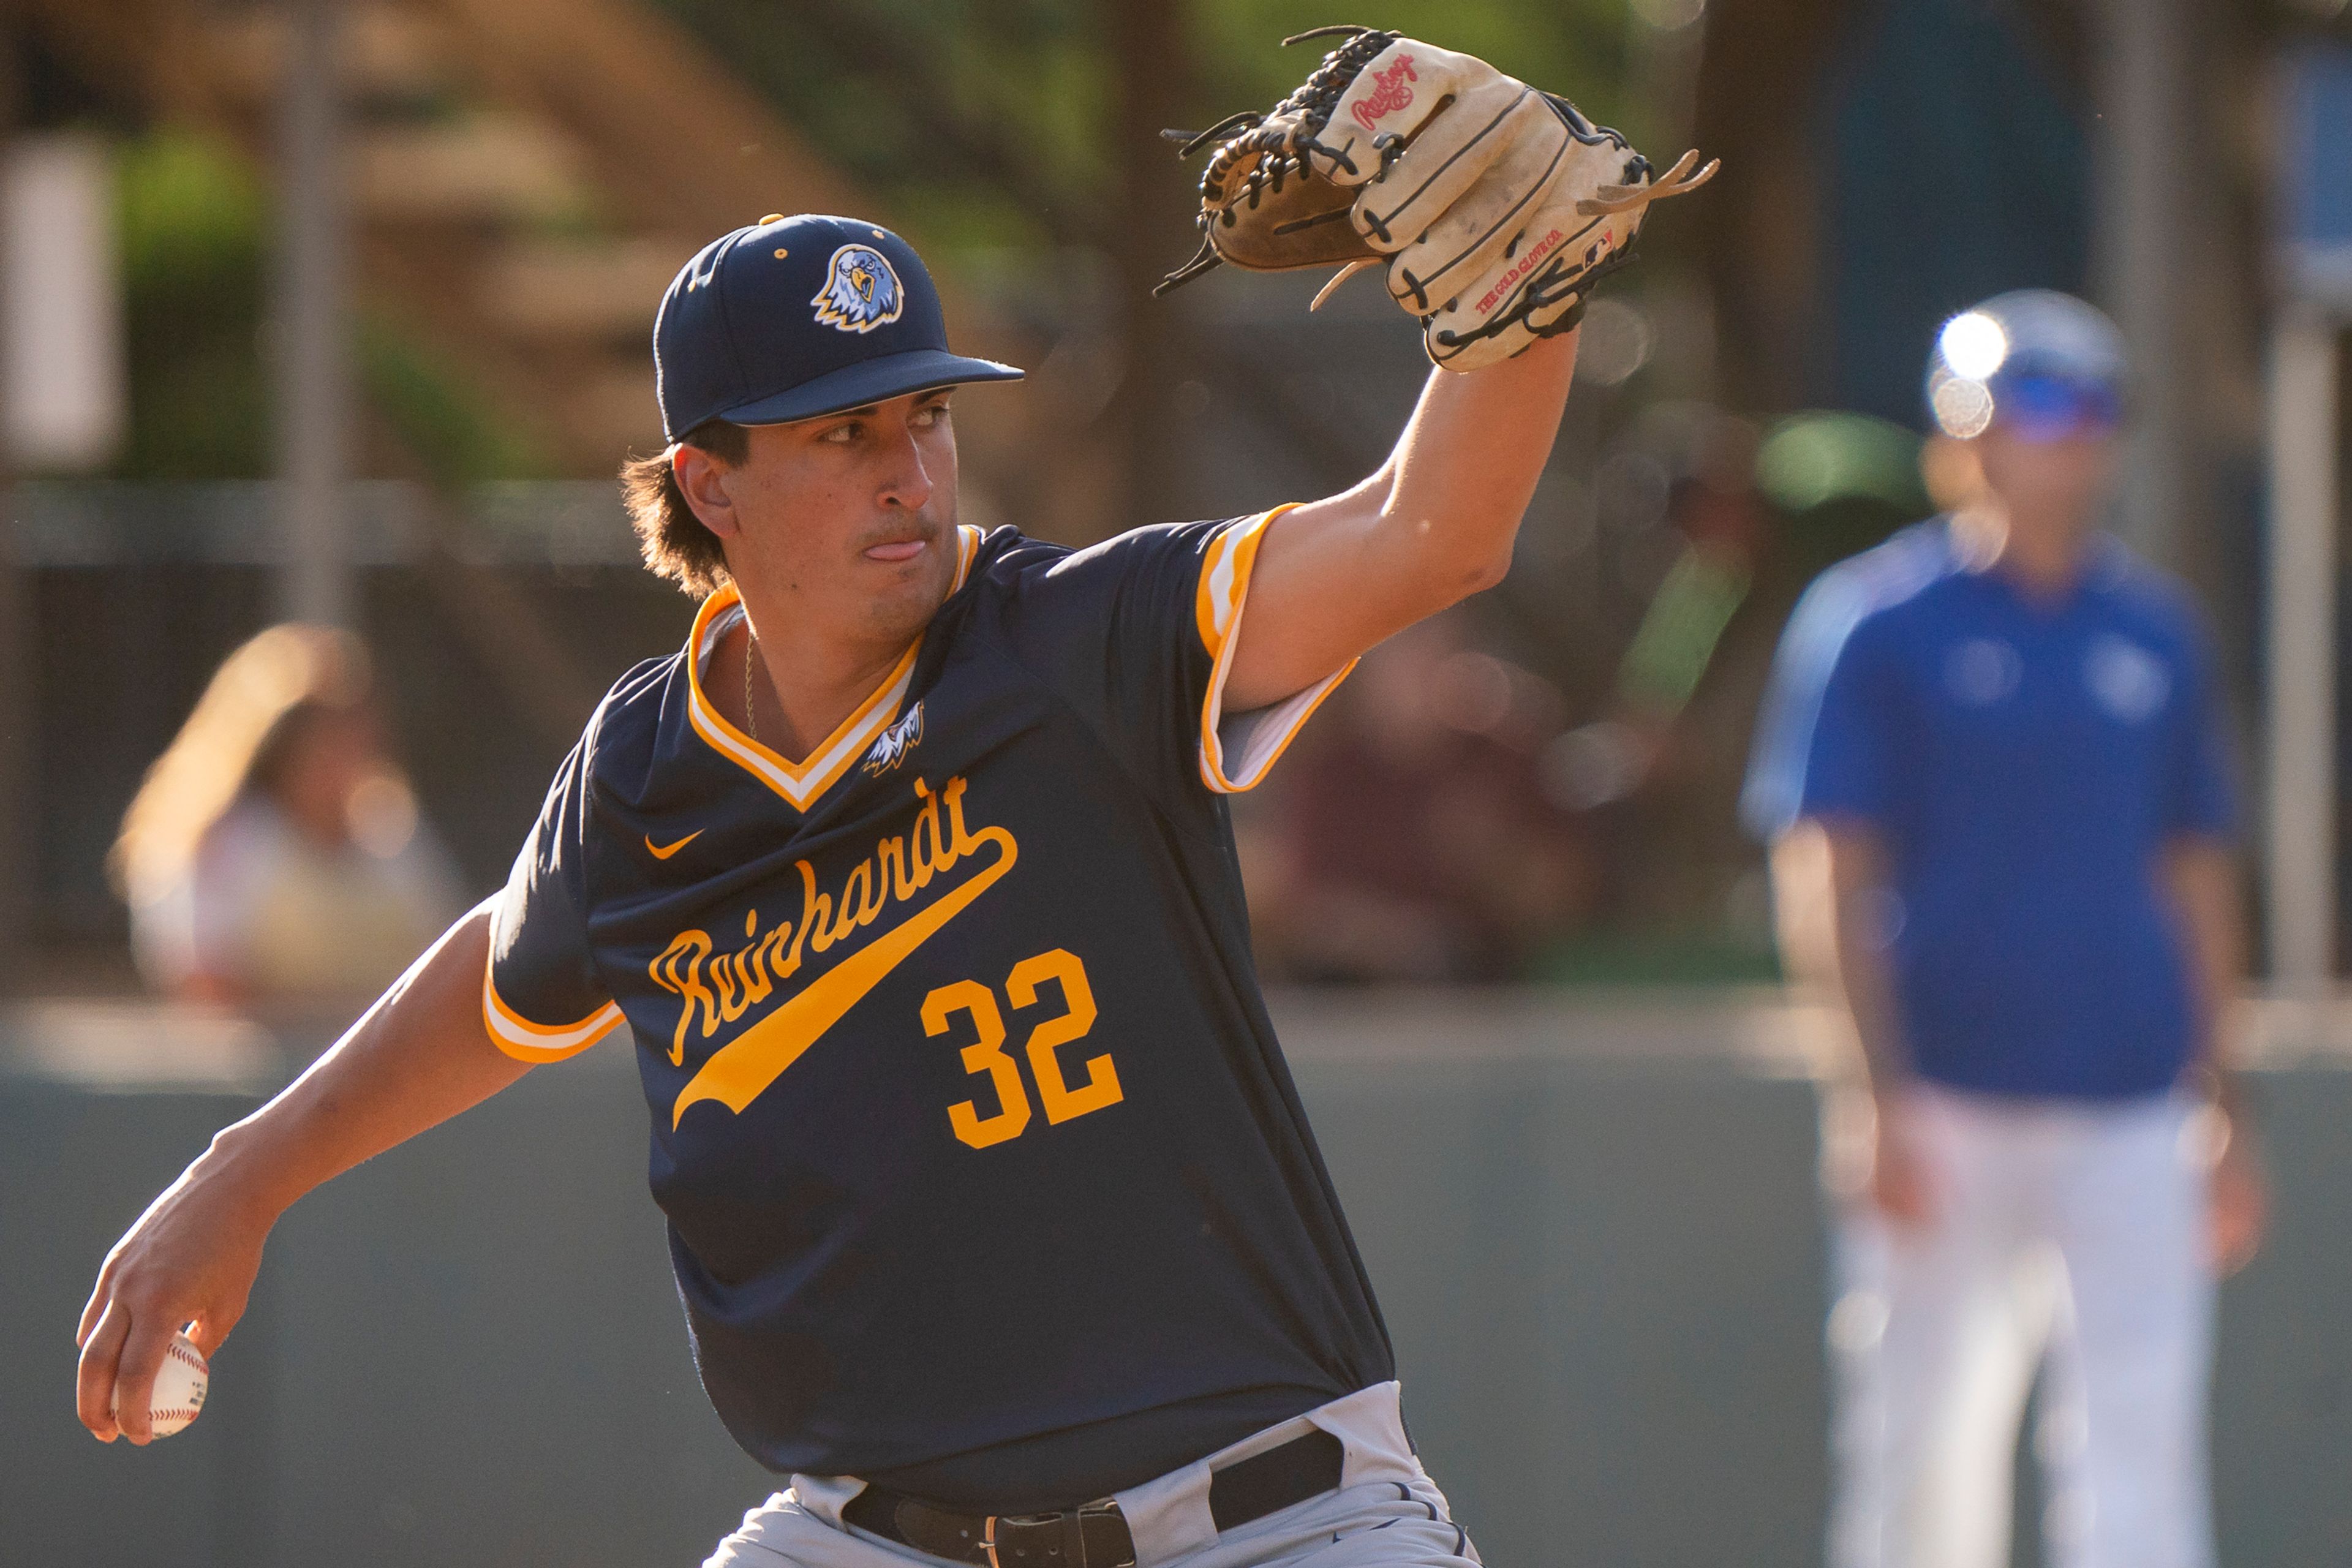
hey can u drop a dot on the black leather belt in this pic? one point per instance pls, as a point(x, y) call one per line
point(1096, 1536)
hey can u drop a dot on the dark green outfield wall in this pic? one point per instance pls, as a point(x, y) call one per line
point(1594, 1229)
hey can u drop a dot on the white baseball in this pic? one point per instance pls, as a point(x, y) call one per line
point(179, 1388)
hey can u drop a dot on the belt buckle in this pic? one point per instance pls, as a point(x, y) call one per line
point(1072, 1519)
point(988, 1533)
point(1107, 1508)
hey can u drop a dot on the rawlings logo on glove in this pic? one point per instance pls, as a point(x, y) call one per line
point(1389, 92)
point(1443, 168)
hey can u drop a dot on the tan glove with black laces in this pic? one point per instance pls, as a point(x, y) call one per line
point(1494, 206)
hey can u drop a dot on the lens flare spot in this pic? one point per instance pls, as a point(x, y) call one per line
point(1974, 346)
point(1963, 408)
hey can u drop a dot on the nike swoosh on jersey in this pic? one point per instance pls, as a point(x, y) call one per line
point(739, 1071)
point(664, 851)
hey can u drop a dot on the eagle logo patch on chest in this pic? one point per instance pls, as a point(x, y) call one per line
point(1982, 671)
point(890, 748)
point(2130, 682)
point(861, 292)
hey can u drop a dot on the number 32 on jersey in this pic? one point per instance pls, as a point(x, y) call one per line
point(986, 1057)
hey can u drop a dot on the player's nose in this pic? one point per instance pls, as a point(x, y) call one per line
point(906, 482)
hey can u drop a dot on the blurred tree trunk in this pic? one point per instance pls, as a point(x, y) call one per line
point(1153, 232)
point(19, 648)
point(311, 318)
point(1760, 74)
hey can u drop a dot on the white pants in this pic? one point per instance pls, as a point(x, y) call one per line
point(1387, 1512)
point(2065, 1236)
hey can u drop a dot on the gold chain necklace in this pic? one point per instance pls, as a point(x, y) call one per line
point(751, 655)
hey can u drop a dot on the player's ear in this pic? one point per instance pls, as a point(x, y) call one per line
point(702, 480)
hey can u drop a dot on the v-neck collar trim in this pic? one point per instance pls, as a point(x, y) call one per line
point(802, 782)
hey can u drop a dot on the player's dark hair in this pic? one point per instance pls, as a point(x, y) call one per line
point(674, 543)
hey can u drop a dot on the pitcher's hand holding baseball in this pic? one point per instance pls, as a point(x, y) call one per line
point(189, 1262)
point(418, 1057)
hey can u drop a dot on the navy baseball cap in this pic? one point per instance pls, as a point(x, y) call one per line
point(795, 317)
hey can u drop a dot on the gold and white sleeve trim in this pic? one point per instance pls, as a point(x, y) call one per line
point(1238, 750)
point(521, 1038)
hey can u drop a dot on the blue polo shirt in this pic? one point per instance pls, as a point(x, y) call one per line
point(2025, 761)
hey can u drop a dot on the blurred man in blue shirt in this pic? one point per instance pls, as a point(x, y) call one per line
point(1993, 766)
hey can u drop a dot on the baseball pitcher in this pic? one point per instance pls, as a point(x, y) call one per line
point(995, 1215)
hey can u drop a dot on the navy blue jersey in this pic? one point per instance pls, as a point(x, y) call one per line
point(985, 1175)
point(2026, 760)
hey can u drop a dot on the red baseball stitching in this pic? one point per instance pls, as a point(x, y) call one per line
point(187, 1356)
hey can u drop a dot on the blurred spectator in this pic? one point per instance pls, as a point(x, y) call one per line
point(1411, 841)
point(273, 855)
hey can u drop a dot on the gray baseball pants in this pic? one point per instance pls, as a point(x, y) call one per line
point(2067, 1234)
point(1387, 1512)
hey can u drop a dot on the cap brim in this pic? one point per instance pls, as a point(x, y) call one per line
point(870, 380)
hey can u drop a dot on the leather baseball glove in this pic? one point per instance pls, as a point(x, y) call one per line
point(1494, 206)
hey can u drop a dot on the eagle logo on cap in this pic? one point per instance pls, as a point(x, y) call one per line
point(861, 292)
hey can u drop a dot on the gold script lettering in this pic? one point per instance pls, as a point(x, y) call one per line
point(679, 969)
point(743, 1068)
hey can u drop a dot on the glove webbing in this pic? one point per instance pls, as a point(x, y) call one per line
point(1282, 144)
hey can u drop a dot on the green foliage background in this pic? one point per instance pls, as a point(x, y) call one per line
point(194, 220)
point(982, 123)
point(987, 117)
point(193, 223)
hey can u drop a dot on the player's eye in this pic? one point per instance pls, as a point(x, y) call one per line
point(931, 416)
point(843, 435)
